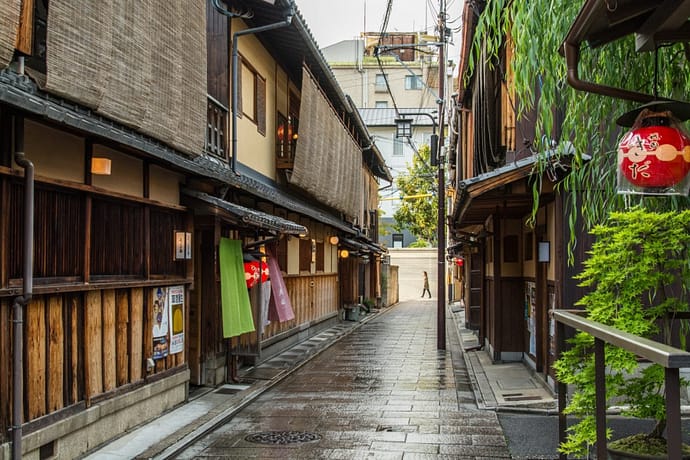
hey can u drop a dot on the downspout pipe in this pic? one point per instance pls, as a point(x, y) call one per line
point(235, 73)
point(572, 58)
point(21, 301)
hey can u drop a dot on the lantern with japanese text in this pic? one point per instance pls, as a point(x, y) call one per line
point(255, 270)
point(654, 156)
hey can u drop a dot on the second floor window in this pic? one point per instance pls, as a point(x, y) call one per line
point(398, 147)
point(381, 104)
point(413, 82)
point(253, 96)
point(380, 82)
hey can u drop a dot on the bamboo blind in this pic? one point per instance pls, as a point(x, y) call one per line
point(9, 24)
point(328, 162)
point(142, 64)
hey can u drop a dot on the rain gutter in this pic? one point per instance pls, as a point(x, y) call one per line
point(21, 301)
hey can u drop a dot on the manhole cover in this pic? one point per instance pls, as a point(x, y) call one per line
point(282, 437)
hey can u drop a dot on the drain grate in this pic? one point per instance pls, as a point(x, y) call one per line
point(282, 437)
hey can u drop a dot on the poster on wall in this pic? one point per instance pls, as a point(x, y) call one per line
point(530, 315)
point(160, 323)
point(176, 307)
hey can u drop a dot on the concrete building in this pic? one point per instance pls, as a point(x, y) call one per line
point(387, 77)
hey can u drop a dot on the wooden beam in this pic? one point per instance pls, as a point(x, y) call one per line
point(670, 15)
point(25, 37)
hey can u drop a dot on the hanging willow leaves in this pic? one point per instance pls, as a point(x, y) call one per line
point(537, 29)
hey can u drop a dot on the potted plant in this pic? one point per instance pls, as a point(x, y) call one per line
point(638, 277)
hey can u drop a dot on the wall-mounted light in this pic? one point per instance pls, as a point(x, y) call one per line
point(183, 245)
point(333, 240)
point(101, 166)
point(343, 253)
point(544, 252)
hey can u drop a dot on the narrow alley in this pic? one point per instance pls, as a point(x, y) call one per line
point(381, 392)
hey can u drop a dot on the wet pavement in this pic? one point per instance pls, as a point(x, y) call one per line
point(376, 388)
point(381, 392)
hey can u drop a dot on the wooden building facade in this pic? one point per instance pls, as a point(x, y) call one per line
point(514, 270)
point(142, 165)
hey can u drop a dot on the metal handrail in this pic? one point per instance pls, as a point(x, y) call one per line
point(671, 358)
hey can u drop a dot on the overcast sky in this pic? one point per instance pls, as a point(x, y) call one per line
point(331, 21)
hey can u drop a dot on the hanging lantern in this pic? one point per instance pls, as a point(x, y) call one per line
point(251, 273)
point(654, 156)
point(459, 261)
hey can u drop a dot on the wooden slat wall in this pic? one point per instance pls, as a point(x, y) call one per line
point(56, 353)
point(109, 358)
point(122, 327)
point(35, 352)
point(93, 344)
point(77, 346)
point(136, 335)
point(310, 303)
point(5, 363)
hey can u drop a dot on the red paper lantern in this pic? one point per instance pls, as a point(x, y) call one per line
point(459, 261)
point(654, 156)
point(252, 273)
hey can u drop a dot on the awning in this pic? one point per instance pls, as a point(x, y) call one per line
point(362, 246)
point(237, 213)
point(485, 194)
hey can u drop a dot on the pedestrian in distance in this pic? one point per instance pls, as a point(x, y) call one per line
point(426, 285)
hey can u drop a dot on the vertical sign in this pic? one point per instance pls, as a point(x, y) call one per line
point(176, 303)
point(160, 323)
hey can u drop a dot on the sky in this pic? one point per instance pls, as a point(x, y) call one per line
point(331, 21)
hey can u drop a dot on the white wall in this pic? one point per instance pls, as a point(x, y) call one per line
point(412, 263)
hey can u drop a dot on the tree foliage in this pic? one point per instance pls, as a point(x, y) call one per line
point(648, 285)
point(537, 29)
point(418, 214)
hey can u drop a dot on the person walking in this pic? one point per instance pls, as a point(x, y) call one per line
point(426, 285)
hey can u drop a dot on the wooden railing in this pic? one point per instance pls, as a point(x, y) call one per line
point(672, 359)
point(216, 128)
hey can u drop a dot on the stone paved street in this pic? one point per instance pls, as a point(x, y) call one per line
point(382, 392)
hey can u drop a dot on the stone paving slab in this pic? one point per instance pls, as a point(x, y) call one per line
point(383, 392)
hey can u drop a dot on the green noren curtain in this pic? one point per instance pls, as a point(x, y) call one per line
point(237, 311)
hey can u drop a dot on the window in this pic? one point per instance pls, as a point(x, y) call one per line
point(413, 82)
point(397, 240)
point(253, 96)
point(398, 147)
point(59, 231)
point(320, 256)
point(305, 255)
point(381, 104)
point(381, 82)
point(117, 228)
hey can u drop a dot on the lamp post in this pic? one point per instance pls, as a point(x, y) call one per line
point(404, 129)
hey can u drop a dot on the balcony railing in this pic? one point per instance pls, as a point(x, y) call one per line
point(672, 359)
point(216, 129)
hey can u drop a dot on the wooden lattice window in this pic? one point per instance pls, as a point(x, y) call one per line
point(117, 239)
point(163, 226)
point(58, 233)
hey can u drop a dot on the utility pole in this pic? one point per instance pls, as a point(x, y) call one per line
point(441, 287)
